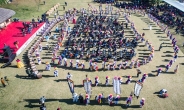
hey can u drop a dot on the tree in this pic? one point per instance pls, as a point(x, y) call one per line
point(3, 2)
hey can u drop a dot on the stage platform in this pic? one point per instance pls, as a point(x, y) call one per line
point(13, 33)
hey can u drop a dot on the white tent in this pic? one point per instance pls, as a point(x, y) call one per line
point(176, 4)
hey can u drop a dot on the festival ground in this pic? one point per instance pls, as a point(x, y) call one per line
point(23, 93)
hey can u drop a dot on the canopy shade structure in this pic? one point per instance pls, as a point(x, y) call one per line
point(176, 4)
point(5, 14)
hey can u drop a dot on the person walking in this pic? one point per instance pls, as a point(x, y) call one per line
point(160, 47)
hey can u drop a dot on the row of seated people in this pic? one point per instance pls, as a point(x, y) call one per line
point(33, 71)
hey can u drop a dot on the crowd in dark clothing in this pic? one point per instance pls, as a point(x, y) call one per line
point(165, 13)
point(102, 38)
point(169, 15)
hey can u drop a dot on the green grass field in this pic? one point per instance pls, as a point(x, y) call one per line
point(24, 93)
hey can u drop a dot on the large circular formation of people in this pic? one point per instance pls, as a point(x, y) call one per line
point(98, 42)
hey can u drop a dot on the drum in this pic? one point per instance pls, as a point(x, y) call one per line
point(39, 76)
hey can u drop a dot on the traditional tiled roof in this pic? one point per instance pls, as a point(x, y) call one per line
point(5, 14)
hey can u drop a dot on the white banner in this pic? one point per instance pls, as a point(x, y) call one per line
point(116, 86)
point(137, 88)
point(87, 87)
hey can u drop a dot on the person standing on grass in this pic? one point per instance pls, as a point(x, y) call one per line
point(167, 68)
point(75, 97)
point(42, 100)
point(128, 80)
point(129, 101)
point(68, 76)
point(144, 77)
point(87, 99)
point(65, 3)
point(176, 69)
point(81, 99)
point(138, 72)
point(170, 62)
point(3, 82)
point(110, 99)
point(55, 71)
point(107, 80)
point(159, 71)
point(117, 99)
point(142, 102)
point(175, 57)
point(48, 66)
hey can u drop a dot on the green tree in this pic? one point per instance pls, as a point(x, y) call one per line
point(3, 2)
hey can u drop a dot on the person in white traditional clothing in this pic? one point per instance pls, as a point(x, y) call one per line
point(103, 65)
point(39, 60)
point(37, 53)
point(120, 65)
point(65, 62)
point(110, 99)
point(77, 64)
point(120, 80)
point(48, 66)
point(114, 65)
point(131, 64)
point(176, 69)
point(87, 99)
point(40, 47)
point(42, 100)
point(68, 76)
point(71, 63)
point(108, 66)
point(60, 60)
point(82, 64)
point(125, 64)
point(75, 97)
point(55, 71)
